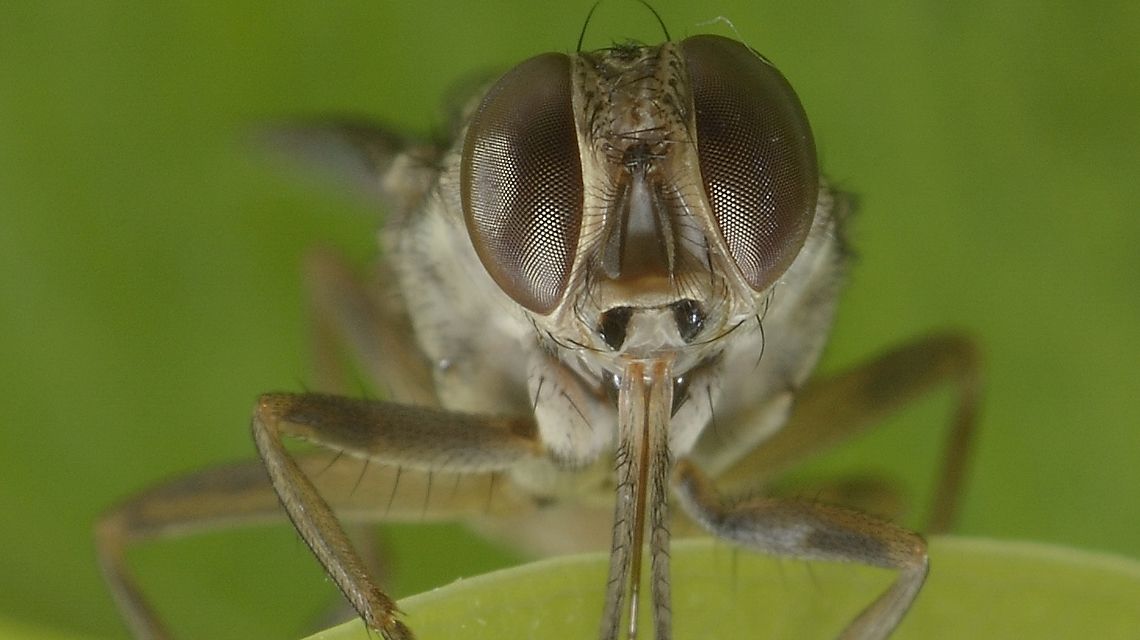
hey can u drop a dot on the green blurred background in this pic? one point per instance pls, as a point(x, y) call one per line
point(150, 281)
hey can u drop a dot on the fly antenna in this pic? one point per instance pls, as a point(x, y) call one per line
point(660, 22)
point(586, 25)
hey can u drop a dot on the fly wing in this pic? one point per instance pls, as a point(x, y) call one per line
point(375, 162)
point(645, 400)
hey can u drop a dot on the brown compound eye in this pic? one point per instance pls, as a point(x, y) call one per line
point(756, 153)
point(521, 182)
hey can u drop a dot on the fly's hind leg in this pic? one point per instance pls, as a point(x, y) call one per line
point(832, 409)
point(207, 500)
point(221, 497)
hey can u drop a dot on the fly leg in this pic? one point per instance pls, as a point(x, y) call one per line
point(835, 408)
point(392, 435)
point(813, 531)
point(367, 320)
point(359, 323)
point(413, 444)
point(240, 495)
point(213, 499)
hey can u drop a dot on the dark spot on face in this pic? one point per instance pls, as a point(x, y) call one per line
point(690, 318)
point(613, 325)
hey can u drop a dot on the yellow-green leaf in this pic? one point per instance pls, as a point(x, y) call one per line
point(977, 589)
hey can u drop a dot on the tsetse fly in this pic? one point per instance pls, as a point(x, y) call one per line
point(599, 309)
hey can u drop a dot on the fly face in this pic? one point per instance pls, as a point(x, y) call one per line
point(640, 201)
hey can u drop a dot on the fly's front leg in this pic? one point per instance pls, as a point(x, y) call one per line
point(814, 531)
point(835, 408)
point(391, 434)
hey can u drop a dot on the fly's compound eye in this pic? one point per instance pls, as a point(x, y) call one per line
point(756, 155)
point(521, 182)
